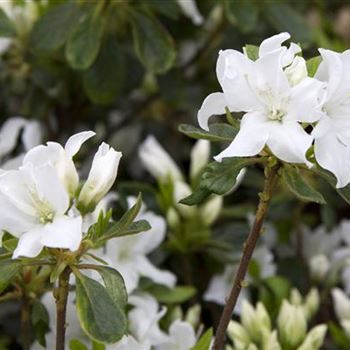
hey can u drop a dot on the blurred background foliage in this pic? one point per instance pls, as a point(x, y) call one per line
point(129, 68)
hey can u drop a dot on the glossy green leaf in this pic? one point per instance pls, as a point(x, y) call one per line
point(114, 284)
point(204, 341)
point(40, 322)
point(176, 295)
point(198, 196)
point(251, 52)
point(312, 65)
point(100, 317)
point(153, 44)
point(217, 132)
point(339, 337)
point(104, 79)
point(75, 344)
point(52, 29)
point(84, 42)
point(7, 28)
point(298, 186)
point(8, 271)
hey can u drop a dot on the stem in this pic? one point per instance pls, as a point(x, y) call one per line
point(61, 295)
point(25, 324)
point(248, 249)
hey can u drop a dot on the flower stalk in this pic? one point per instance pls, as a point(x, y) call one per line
point(248, 250)
point(25, 324)
point(61, 296)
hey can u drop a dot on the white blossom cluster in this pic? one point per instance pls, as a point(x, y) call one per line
point(284, 108)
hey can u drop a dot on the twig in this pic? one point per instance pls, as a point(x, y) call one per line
point(265, 196)
point(25, 323)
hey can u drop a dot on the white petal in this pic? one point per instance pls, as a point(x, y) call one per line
point(289, 142)
point(74, 143)
point(273, 43)
point(190, 9)
point(9, 134)
point(200, 154)
point(334, 156)
point(182, 336)
point(147, 269)
point(214, 104)
point(32, 134)
point(63, 232)
point(250, 140)
point(29, 244)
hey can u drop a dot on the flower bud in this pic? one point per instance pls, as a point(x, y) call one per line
point(346, 327)
point(210, 210)
point(319, 267)
point(295, 297)
point(341, 304)
point(314, 339)
point(292, 325)
point(102, 175)
point(311, 303)
point(270, 341)
point(182, 190)
point(238, 335)
point(157, 161)
point(172, 218)
point(199, 157)
point(297, 71)
point(193, 315)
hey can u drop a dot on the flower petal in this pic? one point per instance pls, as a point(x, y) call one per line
point(214, 104)
point(334, 156)
point(9, 134)
point(32, 134)
point(289, 142)
point(74, 143)
point(63, 232)
point(272, 43)
point(29, 244)
point(250, 140)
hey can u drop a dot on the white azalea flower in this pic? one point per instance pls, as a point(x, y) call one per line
point(273, 107)
point(157, 161)
point(181, 337)
point(332, 135)
point(129, 254)
point(101, 177)
point(190, 9)
point(34, 204)
point(129, 343)
point(61, 158)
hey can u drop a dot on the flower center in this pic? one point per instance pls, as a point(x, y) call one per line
point(276, 114)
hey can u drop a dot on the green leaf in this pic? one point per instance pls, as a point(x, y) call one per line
point(104, 79)
point(330, 178)
point(7, 28)
point(168, 8)
point(217, 132)
point(100, 317)
point(84, 42)
point(339, 337)
point(97, 346)
point(10, 244)
point(176, 295)
point(8, 271)
point(152, 43)
point(298, 186)
point(251, 51)
point(283, 17)
point(312, 65)
point(40, 322)
point(52, 29)
point(114, 283)
point(205, 341)
point(198, 196)
point(75, 344)
point(243, 13)
point(220, 177)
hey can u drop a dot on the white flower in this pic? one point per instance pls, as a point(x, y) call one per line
point(332, 135)
point(200, 153)
point(102, 175)
point(273, 107)
point(129, 254)
point(34, 204)
point(292, 325)
point(157, 161)
point(189, 9)
point(181, 337)
point(341, 304)
point(61, 158)
point(144, 319)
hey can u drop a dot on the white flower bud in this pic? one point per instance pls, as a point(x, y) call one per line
point(311, 303)
point(270, 341)
point(297, 71)
point(314, 339)
point(319, 267)
point(172, 218)
point(102, 175)
point(295, 297)
point(346, 326)
point(157, 161)
point(238, 335)
point(182, 190)
point(193, 315)
point(292, 325)
point(341, 304)
point(199, 157)
point(210, 210)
